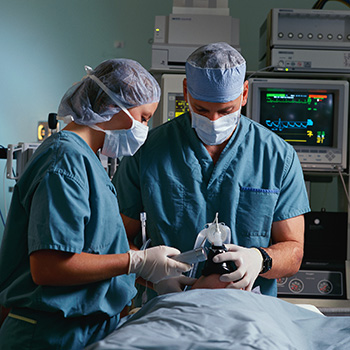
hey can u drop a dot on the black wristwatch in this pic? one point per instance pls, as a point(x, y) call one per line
point(267, 260)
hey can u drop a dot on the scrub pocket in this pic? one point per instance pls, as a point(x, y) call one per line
point(255, 212)
point(160, 200)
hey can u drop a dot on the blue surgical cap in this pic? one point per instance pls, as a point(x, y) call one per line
point(215, 73)
point(131, 84)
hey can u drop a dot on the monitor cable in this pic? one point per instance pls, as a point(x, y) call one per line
point(2, 218)
point(320, 3)
point(343, 182)
point(260, 70)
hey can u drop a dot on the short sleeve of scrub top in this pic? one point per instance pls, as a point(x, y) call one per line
point(60, 206)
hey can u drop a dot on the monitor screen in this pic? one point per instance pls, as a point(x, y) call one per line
point(299, 117)
point(176, 105)
point(311, 115)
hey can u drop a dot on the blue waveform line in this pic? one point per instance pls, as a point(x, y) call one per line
point(280, 125)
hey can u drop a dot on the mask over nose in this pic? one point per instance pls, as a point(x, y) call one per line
point(215, 73)
point(123, 142)
point(215, 132)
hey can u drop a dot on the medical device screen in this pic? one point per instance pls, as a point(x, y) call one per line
point(299, 117)
point(176, 105)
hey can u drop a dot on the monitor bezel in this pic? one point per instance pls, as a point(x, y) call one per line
point(170, 84)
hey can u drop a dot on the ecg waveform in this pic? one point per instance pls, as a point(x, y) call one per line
point(299, 117)
point(280, 125)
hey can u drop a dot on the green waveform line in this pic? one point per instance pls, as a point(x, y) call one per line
point(290, 101)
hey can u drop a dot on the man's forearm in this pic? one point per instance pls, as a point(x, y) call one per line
point(286, 259)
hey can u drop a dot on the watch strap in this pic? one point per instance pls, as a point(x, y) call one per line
point(267, 260)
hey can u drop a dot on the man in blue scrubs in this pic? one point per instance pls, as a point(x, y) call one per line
point(66, 271)
point(215, 160)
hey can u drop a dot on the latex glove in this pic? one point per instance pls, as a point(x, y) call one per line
point(173, 284)
point(153, 264)
point(248, 261)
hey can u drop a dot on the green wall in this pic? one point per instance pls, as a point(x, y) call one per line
point(44, 45)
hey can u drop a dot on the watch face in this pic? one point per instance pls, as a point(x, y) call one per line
point(268, 264)
point(267, 261)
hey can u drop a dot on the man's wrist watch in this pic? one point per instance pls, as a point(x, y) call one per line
point(267, 260)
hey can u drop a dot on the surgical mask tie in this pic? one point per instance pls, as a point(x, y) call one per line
point(121, 142)
point(217, 131)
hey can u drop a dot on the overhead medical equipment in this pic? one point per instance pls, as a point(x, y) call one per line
point(305, 40)
point(310, 114)
point(191, 25)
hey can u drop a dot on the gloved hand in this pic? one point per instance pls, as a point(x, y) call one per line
point(153, 264)
point(173, 284)
point(248, 261)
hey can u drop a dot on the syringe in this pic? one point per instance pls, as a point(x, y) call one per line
point(143, 227)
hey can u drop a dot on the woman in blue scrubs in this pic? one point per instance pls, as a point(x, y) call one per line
point(66, 271)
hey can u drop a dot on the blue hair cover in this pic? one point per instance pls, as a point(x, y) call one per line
point(215, 73)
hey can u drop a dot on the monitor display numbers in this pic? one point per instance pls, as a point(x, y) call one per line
point(300, 118)
point(181, 106)
point(176, 105)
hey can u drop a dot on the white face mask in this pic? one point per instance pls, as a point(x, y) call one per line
point(215, 132)
point(121, 142)
point(124, 142)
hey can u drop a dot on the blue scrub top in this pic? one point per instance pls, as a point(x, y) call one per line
point(64, 201)
point(256, 181)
